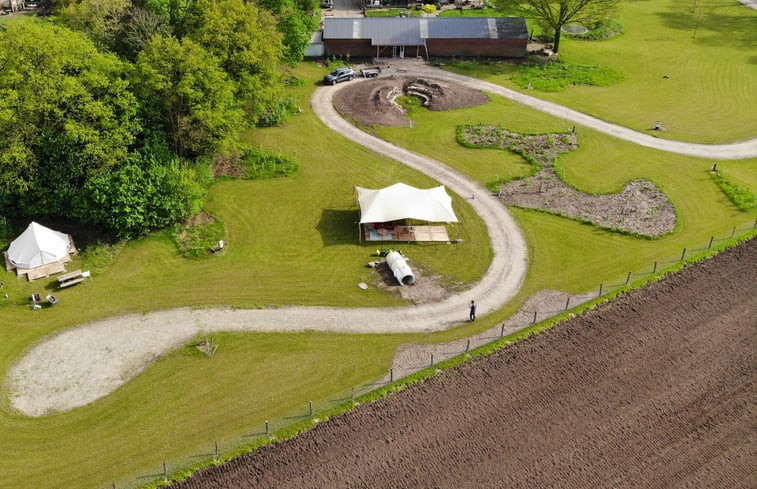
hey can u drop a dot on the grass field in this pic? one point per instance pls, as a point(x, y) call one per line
point(710, 94)
point(293, 241)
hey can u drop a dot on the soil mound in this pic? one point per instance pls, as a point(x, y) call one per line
point(373, 102)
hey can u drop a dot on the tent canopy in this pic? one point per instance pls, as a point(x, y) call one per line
point(38, 246)
point(400, 201)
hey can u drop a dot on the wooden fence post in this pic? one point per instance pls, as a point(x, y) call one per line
point(683, 254)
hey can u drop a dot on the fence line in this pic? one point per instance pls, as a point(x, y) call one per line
point(436, 354)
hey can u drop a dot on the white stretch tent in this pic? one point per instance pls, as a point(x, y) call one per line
point(400, 201)
point(38, 246)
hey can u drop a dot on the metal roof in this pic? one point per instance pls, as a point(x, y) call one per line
point(411, 31)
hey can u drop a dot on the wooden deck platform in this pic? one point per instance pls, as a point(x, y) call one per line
point(406, 233)
point(45, 270)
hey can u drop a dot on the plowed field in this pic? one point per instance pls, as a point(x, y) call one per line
point(656, 389)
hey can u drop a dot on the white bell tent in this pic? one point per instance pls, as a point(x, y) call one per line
point(38, 246)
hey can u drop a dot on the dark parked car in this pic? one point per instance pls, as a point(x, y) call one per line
point(339, 75)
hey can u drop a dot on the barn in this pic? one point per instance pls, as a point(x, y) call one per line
point(427, 37)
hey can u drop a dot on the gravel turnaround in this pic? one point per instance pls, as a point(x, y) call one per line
point(655, 389)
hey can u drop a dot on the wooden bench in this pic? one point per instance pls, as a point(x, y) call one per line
point(72, 278)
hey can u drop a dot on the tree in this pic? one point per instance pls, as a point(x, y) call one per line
point(246, 41)
point(186, 91)
point(66, 113)
point(297, 20)
point(101, 20)
point(141, 196)
point(554, 14)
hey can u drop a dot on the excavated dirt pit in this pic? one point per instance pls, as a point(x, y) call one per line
point(374, 102)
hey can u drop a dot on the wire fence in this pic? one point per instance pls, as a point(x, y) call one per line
point(420, 358)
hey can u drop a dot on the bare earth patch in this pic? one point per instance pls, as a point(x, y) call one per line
point(655, 389)
point(373, 102)
point(428, 287)
point(640, 208)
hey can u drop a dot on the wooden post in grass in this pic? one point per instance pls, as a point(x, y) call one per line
point(600, 289)
point(567, 303)
point(534, 321)
point(352, 392)
point(683, 254)
point(628, 278)
point(391, 375)
point(712, 238)
point(310, 406)
point(467, 345)
point(215, 457)
point(502, 331)
point(165, 472)
point(432, 359)
point(654, 268)
point(733, 231)
point(267, 430)
point(714, 167)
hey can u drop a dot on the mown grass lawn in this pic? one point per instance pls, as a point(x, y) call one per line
point(293, 241)
point(709, 96)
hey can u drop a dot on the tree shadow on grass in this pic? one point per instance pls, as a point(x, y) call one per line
point(339, 226)
point(711, 26)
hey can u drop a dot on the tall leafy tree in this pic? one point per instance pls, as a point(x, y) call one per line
point(66, 113)
point(246, 41)
point(186, 91)
point(101, 20)
point(554, 14)
point(297, 20)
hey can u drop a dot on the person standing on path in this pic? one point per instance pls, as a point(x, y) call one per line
point(472, 316)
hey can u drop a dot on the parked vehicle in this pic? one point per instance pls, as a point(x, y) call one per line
point(371, 72)
point(327, 4)
point(339, 75)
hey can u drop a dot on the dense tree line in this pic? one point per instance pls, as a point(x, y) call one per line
point(111, 111)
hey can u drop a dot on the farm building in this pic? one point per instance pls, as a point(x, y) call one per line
point(427, 37)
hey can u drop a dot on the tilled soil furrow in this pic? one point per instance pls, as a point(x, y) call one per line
point(653, 390)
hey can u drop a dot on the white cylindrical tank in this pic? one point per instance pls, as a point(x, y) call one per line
point(400, 268)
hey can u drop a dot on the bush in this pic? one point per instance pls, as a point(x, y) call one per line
point(604, 29)
point(199, 235)
point(742, 197)
point(142, 196)
point(557, 74)
point(260, 164)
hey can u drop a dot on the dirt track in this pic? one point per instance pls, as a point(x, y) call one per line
point(654, 390)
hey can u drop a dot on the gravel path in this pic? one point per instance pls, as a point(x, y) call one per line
point(80, 365)
point(732, 151)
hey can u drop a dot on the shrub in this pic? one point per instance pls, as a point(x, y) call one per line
point(260, 164)
point(557, 74)
point(600, 31)
point(742, 197)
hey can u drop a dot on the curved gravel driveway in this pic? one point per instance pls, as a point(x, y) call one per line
point(731, 151)
point(80, 365)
